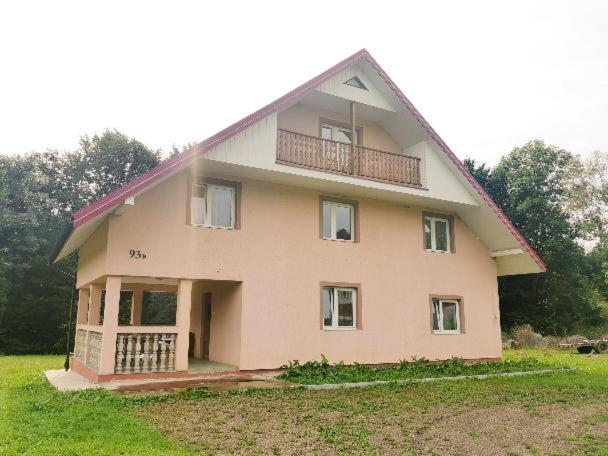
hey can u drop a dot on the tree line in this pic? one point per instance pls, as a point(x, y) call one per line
point(557, 200)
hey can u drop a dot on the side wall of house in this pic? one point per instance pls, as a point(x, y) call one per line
point(281, 261)
point(92, 256)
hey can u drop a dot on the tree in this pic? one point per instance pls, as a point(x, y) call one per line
point(588, 198)
point(533, 186)
point(37, 193)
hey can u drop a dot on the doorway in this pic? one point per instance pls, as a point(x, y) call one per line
point(206, 323)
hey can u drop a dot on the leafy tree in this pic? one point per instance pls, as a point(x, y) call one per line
point(533, 185)
point(37, 193)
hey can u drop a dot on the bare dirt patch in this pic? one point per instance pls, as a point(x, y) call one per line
point(509, 429)
point(381, 421)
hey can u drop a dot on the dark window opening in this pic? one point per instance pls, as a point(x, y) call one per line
point(158, 308)
point(356, 82)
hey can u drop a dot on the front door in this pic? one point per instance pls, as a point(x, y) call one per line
point(206, 320)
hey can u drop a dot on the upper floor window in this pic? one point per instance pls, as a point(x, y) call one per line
point(446, 316)
point(338, 220)
point(213, 205)
point(338, 133)
point(437, 234)
point(339, 308)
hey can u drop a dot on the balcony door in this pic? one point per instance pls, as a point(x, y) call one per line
point(337, 148)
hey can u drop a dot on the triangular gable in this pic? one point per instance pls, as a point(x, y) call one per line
point(181, 161)
point(372, 96)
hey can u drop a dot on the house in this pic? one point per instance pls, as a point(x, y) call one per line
point(334, 220)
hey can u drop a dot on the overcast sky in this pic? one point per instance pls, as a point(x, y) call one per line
point(488, 76)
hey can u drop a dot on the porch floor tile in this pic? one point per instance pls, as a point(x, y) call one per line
point(204, 365)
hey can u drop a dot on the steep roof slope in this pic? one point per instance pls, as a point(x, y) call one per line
point(87, 219)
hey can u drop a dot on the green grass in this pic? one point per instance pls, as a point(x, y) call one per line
point(320, 372)
point(36, 419)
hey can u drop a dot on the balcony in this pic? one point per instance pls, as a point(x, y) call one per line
point(297, 149)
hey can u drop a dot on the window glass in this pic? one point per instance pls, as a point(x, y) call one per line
point(198, 205)
point(345, 308)
point(449, 316)
point(427, 234)
point(339, 134)
point(435, 315)
point(441, 235)
point(327, 306)
point(338, 221)
point(326, 219)
point(343, 136)
point(221, 207)
point(343, 222)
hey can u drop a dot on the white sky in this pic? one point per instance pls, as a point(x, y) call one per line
point(487, 75)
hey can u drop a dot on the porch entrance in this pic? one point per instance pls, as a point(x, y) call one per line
point(144, 325)
point(215, 325)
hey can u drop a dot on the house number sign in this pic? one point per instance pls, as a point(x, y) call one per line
point(137, 254)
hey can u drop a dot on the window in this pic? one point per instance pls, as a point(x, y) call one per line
point(339, 308)
point(356, 82)
point(446, 316)
point(437, 234)
point(338, 221)
point(213, 205)
point(338, 134)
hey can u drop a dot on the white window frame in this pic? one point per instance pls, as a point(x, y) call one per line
point(440, 317)
point(334, 129)
point(335, 308)
point(433, 238)
point(208, 206)
point(333, 235)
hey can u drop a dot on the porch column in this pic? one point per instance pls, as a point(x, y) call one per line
point(110, 325)
point(94, 303)
point(82, 316)
point(182, 322)
point(136, 300)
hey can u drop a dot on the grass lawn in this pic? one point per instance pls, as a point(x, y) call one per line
point(35, 419)
point(559, 413)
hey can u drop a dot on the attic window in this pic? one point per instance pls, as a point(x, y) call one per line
point(356, 82)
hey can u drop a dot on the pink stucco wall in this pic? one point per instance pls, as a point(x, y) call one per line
point(273, 315)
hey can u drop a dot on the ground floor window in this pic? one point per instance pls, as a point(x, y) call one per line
point(446, 316)
point(339, 308)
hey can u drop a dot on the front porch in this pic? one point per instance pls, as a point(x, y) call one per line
point(141, 327)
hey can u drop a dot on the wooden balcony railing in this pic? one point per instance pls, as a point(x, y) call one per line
point(297, 149)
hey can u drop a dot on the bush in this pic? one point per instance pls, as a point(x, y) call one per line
point(550, 342)
point(315, 372)
point(525, 336)
point(575, 339)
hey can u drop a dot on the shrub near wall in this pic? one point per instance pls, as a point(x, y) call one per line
point(320, 372)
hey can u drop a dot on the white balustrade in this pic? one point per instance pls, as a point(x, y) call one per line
point(145, 352)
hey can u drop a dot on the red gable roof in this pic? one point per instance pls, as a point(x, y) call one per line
point(187, 157)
